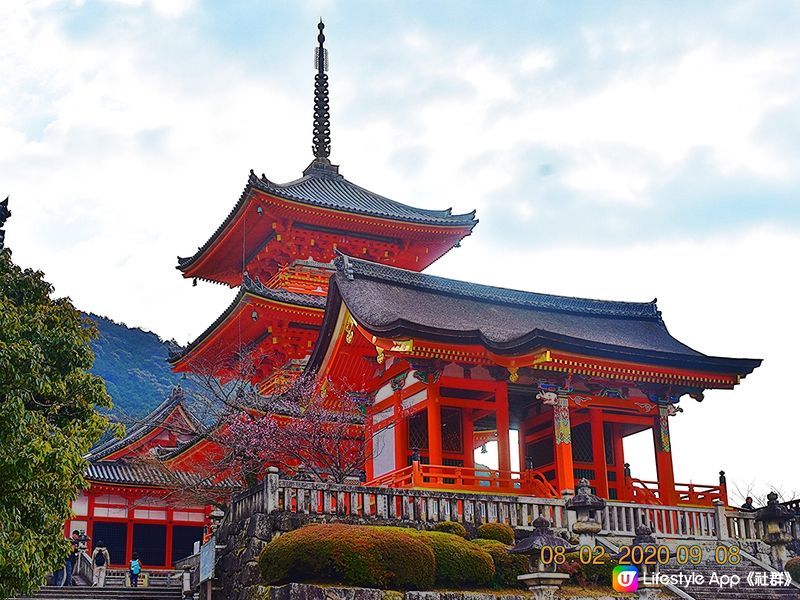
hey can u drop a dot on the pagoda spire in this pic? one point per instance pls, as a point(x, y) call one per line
point(322, 116)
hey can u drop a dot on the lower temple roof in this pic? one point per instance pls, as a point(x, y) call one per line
point(396, 303)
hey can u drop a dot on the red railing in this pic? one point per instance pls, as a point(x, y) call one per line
point(441, 477)
point(646, 492)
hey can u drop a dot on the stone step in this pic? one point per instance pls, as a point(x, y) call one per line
point(107, 593)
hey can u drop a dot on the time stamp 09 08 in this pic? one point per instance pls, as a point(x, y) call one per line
point(642, 555)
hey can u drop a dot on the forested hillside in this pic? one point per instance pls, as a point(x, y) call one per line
point(134, 364)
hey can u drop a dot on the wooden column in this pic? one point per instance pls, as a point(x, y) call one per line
point(599, 451)
point(501, 419)
point(619, 462)
point(434, 425)
point(565, 472)
point(666, 475)
point(400, 433)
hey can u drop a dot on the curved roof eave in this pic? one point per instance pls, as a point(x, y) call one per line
point(255, 288)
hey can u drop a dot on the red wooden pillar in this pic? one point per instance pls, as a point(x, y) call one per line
point(369, 452)
point(666, 475)
point(400, 434)
point(565, 472)
point(619, 462)
point(599, 452)
point(129, 533)
point(168, 554)
point(501, 417)
point(434, 425)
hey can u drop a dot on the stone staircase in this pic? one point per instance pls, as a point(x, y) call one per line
point(742, 591)
point(107, 593)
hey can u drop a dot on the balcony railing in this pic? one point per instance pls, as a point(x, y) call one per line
point(691, 494)
point(467, 479)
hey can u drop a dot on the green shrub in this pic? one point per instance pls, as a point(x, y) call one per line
point(451, 527)
point(459, 563)
point(507, 566)
point(793, 567)
point(496, 531)
point(350, 554)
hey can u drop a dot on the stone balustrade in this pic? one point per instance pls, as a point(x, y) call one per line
point(372, 503)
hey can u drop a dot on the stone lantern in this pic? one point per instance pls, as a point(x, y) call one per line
point(586, 504)
point(775, 516)
point(542, 579)
point(644, 539)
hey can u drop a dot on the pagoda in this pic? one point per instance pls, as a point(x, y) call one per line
point(278, 243)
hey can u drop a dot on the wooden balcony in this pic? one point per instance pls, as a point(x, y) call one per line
point(467, 479)
point(687, 494)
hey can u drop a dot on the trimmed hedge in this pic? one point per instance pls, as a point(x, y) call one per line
point(496, 531)
point(459, 563)
point(355, 555)
point(451, 527)
point(793, 567)
point(507, 566)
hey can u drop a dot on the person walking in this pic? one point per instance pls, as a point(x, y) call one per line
point(72, 560)
point(100, 560)
point(136, 568)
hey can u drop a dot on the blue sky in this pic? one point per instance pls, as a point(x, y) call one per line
point(614, 150)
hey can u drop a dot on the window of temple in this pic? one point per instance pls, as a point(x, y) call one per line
point(452, 431)
point(114, 536)
point(418, 430)
point(150, 541)
point(582, 443)
point(183, 539)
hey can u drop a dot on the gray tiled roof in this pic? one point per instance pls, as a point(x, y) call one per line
point(397, 303)
point(324, 187)
point(141, 428)
point(133, 472)
point(256, 288)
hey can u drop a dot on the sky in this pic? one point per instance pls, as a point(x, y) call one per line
point(615, 150)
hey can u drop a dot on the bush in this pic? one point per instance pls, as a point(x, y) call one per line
point(350, 554)
point(793, 567)
point(459, 563)
point(451, 527)
point(496, 531)
point(507, 566)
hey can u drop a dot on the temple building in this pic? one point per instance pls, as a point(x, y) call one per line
point(330, 285)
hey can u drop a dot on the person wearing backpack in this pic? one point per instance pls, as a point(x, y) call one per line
point(100, 560)
point(136, 568)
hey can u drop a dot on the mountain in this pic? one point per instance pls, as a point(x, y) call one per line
point(133, 363)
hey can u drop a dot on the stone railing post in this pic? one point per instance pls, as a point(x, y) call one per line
point(271, 489)
point(721, 520)
point(186, 582)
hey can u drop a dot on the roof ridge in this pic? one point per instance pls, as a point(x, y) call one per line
point(351, 267)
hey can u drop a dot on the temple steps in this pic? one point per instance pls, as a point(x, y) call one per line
point(742, 591)
point(106, 593)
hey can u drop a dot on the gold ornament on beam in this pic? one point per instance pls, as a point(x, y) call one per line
point(513, 374)
point(380, 358)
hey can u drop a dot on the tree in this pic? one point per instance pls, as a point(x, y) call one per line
point(48, 423)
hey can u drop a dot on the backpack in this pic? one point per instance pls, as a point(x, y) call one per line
point(135, 567)
point(100, 559)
